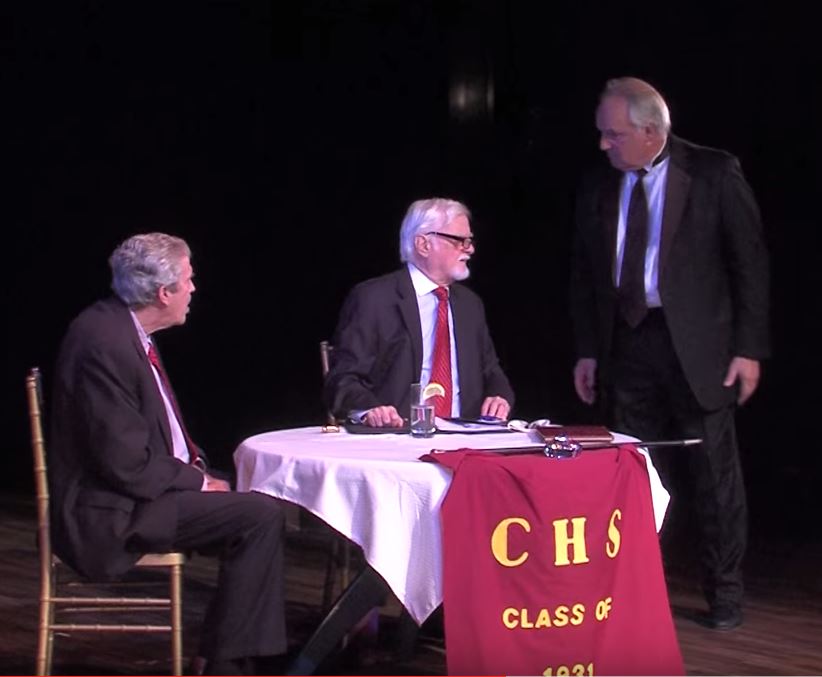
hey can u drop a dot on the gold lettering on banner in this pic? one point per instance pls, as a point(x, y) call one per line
point(499, 541)
point(614, 537)
point(576, 670)
point(604, 608)
point(545, 618)
point(562, 541)
point(569, 534)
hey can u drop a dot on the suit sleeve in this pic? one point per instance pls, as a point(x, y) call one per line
point(746, 257)
point(349, 385)
point(118, 432)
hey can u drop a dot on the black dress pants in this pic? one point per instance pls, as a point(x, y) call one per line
point(649, 397)
point(245, 530)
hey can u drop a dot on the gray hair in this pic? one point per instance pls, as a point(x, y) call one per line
point(424, 216)
point(144, 263)
point(646, 107)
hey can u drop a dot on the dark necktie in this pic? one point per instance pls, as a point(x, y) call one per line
point(632, 302)
point(441, 363)
point(154, 358)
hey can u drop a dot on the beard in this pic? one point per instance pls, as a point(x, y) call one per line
point(460, 271)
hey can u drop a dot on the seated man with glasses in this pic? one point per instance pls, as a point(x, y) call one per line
point(417, 325)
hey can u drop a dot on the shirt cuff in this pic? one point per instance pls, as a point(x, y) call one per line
point(357, 415)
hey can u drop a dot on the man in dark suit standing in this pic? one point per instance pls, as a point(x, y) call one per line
point(669, 297)
point(126, 477)
point(418, 325)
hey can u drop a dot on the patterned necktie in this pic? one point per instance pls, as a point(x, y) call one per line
point(441, 363)
point(632, 302)
point(154, 358)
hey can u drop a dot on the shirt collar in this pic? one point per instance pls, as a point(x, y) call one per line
point(660, 160)
point(422, 283)
point(141, 333)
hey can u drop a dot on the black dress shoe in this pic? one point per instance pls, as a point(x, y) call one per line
point(725, 617)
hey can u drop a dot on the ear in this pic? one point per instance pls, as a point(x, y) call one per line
point(163, 296)
point(422, 245)
point(652, 135)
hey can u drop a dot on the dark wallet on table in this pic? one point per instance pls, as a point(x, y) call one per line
point(586, 435)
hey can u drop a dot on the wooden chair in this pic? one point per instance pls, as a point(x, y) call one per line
point(52, 599)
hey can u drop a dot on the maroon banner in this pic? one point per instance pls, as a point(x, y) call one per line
point(552, 567)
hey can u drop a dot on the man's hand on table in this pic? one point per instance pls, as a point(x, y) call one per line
point(496, 406)
point(383, 417)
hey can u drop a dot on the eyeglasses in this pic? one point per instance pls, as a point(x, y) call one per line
point(464, 242)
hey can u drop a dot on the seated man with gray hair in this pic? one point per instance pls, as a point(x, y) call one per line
point(418, 325)
point(126, 477)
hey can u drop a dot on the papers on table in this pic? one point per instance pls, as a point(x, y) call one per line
point(465, 425)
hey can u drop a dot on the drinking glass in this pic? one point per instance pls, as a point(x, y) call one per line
point(422, 413)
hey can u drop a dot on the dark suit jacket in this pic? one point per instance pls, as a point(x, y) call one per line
point(378, 348)
point(111, 469)
point(713, 268)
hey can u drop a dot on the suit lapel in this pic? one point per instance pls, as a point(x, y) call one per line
point(157, 405)
point(162, 412)
point(609, 215)
point(676, 196)
point(410, 312)
point(461, 340)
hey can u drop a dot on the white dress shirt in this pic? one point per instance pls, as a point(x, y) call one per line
point(654, 182)
point(427, 303)
point(178, 440)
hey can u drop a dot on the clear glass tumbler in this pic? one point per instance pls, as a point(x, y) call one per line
point(422, 413)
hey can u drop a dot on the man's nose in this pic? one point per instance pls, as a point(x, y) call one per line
point(604, 144)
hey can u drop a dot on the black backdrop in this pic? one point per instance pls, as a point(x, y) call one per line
point(284, 141)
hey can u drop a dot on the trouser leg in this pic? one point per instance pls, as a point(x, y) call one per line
point(247, 615)
point(719, 501)
point(651, 399)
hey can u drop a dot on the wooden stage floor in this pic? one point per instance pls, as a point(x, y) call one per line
point(782, 633)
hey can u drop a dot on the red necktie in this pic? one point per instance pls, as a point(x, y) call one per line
point(154, 358)
point(441, 364)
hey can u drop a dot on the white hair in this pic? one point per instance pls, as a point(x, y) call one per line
point(646, 107)
point(425, 216)
point(144, 263)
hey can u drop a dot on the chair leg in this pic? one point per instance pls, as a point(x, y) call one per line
point(44, 639)
point(50, 643)
point(45, 635)
point(176, 620)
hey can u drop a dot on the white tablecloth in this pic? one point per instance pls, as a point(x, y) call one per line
point(374, 490)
